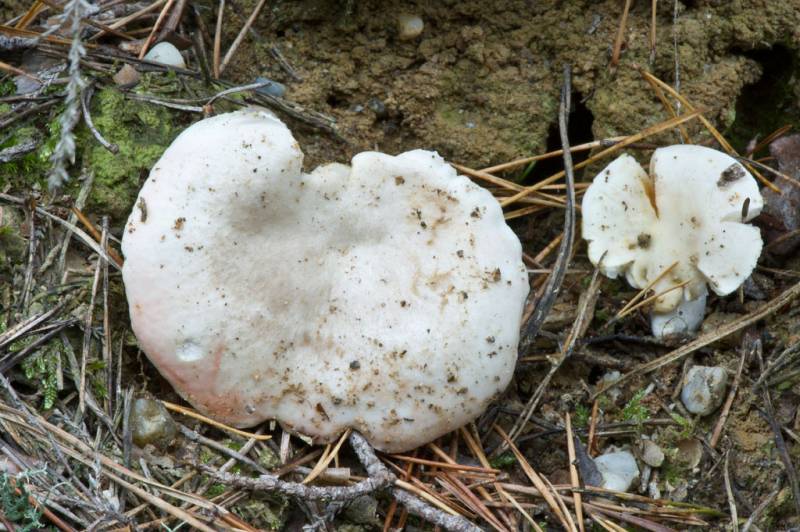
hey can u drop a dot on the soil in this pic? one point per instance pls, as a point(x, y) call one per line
point(481, 86)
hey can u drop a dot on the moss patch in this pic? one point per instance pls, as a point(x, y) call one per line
point(142, 132)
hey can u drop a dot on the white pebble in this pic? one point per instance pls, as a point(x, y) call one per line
point(409, 27)
point(704, 389)
point(618, 469)
point(652, 454)
point(166, 54)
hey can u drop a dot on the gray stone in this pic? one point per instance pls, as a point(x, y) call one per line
point(272, 88)
point(704, 389)
point(619, 470)
point(652, 454)
point(409, 27)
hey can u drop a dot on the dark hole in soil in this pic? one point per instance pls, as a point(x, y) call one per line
point(579, 130)
point(337, 100)
point(595, 374)
point(769, 103)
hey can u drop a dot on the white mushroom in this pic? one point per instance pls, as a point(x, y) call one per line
point(689, 211)
point(384, 296)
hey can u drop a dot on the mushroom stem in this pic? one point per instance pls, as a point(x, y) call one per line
point(683, 319)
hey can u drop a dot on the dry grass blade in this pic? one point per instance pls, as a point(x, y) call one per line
point(708, 338)
point(534, 478)
point(668, 107)
point(18, 71)
point(648, 132)
point(29, 15)
point(218, 40)
point(98, 236)
point(130, 18)
point(468, 499)
point(729, 491)
point(191, 413)
point(573, 472)
point(708, 125)
point(781, 131)
point(625, 310)
point(156, 27)
point(620, 39)
point(425, 495)
point(652, 298)
point(327, 458)
point(445, 465)
point(240, 37)
point(653, 12)
point(549, 155)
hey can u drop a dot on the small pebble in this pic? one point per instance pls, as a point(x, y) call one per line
point(166, 54)
point(704, 389)
point(273, 88)
point(378, 108)
point(151, 423)
point(619, 470)
point(127, 77)
point(690, 452)
point(409, 27)
point(652, 454)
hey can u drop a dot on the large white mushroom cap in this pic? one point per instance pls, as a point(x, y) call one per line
point(690, 209)
point(384, 296)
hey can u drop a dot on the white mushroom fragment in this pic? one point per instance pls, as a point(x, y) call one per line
point(385, 296)
point(679, 229)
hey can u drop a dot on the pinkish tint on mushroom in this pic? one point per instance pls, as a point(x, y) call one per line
point(384, 296)
point(678, 230)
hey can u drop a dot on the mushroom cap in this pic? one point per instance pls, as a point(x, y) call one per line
point(690, 209)
point(385, 296)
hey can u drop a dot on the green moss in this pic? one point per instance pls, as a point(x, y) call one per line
point(42, 370)
point(30, 171)
point(16, 507)
point(142, 131)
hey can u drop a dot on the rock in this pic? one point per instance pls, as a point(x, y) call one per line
point(652, 454)
point(782, 210)
point(127, 77)
point(690, 452)
point(618, 469)
point(166, 54)
point(151, 423)
point(273, 88)
point(704, 389)
point(409, 27)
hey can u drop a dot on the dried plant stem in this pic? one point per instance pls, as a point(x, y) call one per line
point(64, 152)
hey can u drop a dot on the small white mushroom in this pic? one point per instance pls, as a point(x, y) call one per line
point(689, 211)
point(384, 296)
